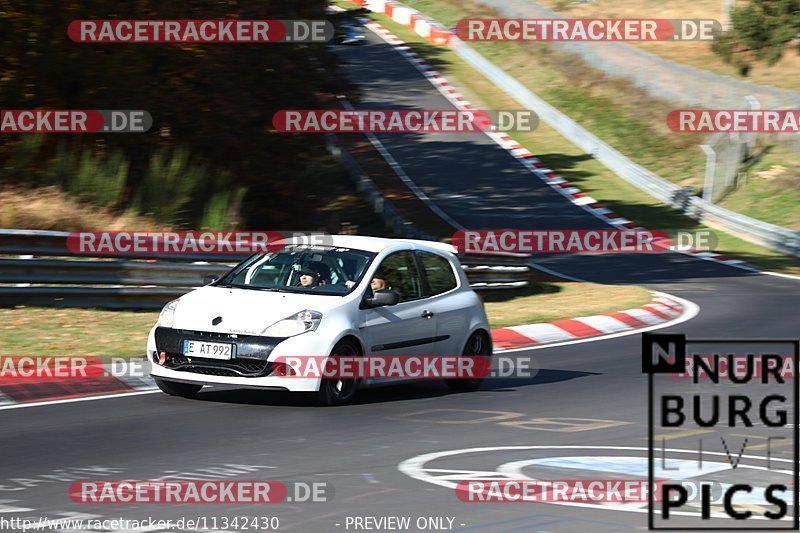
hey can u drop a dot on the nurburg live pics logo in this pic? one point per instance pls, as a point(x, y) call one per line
point(736, 402)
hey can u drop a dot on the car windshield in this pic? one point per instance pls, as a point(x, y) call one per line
point(305, 269)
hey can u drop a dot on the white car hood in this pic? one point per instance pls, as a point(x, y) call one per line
point(243, 311)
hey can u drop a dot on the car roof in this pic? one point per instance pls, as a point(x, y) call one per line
point(372, 244)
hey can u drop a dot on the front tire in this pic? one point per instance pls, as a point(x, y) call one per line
point(479, 345)
point(335, 391)
point(175, 388)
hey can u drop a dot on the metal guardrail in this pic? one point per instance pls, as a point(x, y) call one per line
point(775, 237)
point(70, 272)
point(54, 244)
point(126, 283)
point(136, 298)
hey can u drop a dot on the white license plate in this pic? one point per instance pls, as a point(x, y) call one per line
point(210, 350)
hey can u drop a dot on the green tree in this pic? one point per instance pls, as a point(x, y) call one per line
point(762, 30)
point(215, 101)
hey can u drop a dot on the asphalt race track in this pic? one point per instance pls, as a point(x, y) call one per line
point(357, 449)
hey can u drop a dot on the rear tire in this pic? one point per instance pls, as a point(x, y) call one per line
point(175, 388)
point(336, 391)
point(478, 344)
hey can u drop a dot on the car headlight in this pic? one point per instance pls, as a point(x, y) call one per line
point(294, 325)
point(167, 316)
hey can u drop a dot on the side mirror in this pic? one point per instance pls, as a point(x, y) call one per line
point(382, 298)
point(210, 278)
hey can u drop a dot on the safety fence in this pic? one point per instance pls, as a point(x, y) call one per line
point(661, 78)
point(36, 270)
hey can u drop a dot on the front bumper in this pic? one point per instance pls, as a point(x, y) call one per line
point(251, 365)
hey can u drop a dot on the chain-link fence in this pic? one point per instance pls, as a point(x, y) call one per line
point(724, 154)
point(682, 84)
point(727, 154)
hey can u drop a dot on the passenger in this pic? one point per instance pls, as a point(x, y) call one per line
point(376, 284)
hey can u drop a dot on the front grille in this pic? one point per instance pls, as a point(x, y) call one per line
point(248, 347)
point(208, 334)
point(249, 368)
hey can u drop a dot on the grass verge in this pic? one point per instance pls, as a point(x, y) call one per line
point(90, 332)
point(558, 153)
point(547, 302)
point(771, 192)
point(785, 73)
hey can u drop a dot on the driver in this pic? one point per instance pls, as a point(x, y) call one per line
point(309, 278)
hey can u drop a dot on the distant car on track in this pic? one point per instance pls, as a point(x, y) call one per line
point(324, 301)
point(350, 35)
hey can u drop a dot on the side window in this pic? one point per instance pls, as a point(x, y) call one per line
point(439, 272)
point(399, 272)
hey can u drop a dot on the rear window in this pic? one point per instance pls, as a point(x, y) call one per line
point(439, 272)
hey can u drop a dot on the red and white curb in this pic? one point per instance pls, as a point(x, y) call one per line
point(423, 26)
point(22, 391)
point(523, 155)
point(664, 310)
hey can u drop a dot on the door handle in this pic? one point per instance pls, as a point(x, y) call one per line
point(427, 314)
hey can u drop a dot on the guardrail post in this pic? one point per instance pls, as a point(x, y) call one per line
point(711, 164)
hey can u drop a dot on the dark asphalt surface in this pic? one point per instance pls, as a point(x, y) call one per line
point(358, 448)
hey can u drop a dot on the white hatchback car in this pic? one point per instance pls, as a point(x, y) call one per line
point(322, 301)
